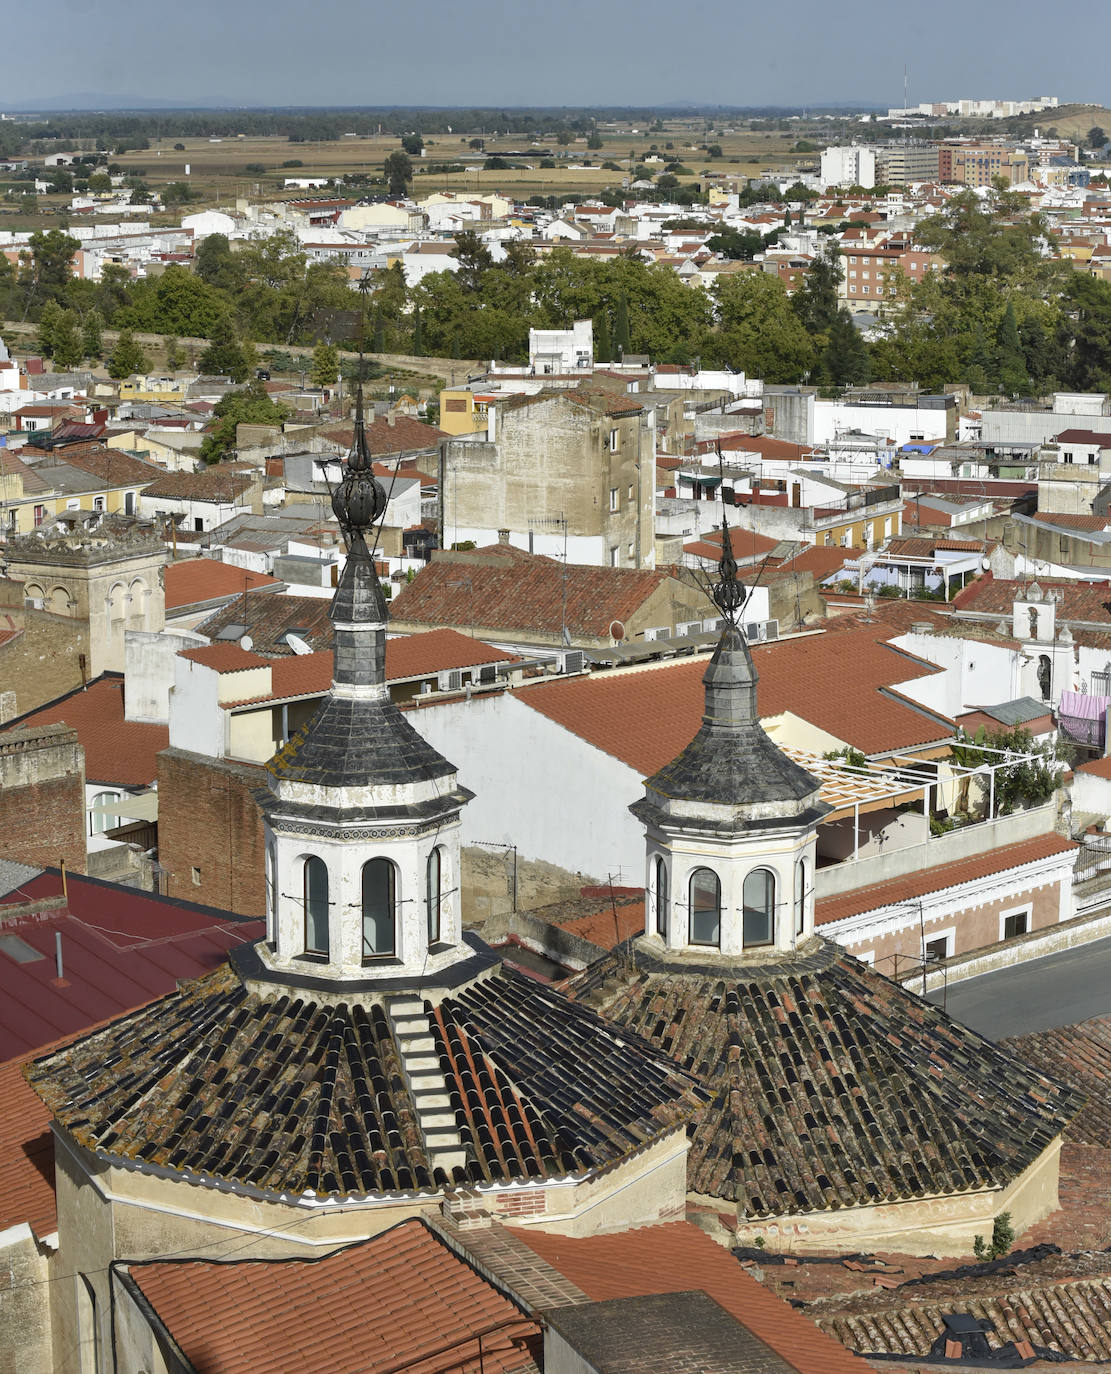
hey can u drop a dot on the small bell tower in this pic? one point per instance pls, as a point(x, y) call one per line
point(361, 813)
point(731, 821)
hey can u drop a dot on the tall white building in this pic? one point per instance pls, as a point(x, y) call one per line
point(852, 166)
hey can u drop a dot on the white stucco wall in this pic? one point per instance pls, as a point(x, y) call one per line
point(539, 787)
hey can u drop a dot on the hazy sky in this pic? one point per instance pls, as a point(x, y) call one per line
point(573, 52)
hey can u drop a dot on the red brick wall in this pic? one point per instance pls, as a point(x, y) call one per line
point(973, 928)
point(210, 839)
point(42, 797)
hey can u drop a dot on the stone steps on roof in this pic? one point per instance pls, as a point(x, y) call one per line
point(420, 1064)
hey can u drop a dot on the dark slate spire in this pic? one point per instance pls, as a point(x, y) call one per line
point(358, 737)
point(731, 762)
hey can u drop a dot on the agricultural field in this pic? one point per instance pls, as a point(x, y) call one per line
point(255, 168)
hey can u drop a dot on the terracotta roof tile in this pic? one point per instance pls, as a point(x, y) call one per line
point(225, 657)
point(820, 1071)
point(1087, 601)
point(404, 434)
point(407, 656)
point(514, 590)
point(645, 718)
point(26, 1156)
point(402, 1298)
point(111, 465)
point(747, 545)
point(1073, 522)
point(1058, 1311)
point(1079, 1057)
point(195, 580)
point(116, 750)
point(270, 617)
point(11, 465)
point(212, 484)
point(676, 1258)
point(508, 1048)
point(939, 878)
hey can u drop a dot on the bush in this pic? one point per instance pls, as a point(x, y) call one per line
point(889, 590)
point(1002, 1238)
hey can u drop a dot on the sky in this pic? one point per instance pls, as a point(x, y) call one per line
point(562, 52)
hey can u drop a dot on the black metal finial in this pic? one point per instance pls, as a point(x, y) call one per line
point(728, 591)
point(360, 499)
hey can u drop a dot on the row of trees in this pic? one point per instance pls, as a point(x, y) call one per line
point(1007, 314)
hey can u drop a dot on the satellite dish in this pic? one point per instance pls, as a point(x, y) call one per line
point(617, 630)
point(247, 643)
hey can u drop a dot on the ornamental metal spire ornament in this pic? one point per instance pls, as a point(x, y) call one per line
point(728, 592)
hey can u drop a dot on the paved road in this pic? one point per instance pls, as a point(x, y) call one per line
point(1053, 991)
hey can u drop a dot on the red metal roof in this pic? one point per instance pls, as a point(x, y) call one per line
point(678, 1257)
point(116, 750)
point(121, 948)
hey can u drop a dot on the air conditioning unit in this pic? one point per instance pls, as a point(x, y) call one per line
point(574, 661)
point(689, 627)
point(451, 681)
point(488, 672)
point(771, 629)
point(713, 626)
point(657, 632)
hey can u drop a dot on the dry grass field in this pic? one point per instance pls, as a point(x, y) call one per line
point(227, 169)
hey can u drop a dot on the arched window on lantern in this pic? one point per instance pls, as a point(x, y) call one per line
point(379, 909)
point(705, 907)
point(434, 896)
point(800, 896)
point(758, 899)
point(661, 890)
point(316, 906)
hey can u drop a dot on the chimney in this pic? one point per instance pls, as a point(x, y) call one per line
point(391, 418)
point(503, 536)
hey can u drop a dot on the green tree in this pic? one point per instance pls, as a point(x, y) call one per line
point(418, 333)
point(68, 350)
point(249, 406)
point(49, 320)
point(759, 333)
point(216, 264)
point(622, 341)
point(603, 349)
point(175, 355)
point(100, 182)
point(50, 266)
point(413, 144)
point(225, 356)
point(594, 142)
point(474, 258)
point(91, 334)
point(127, 358)
point(398, 171)
point(1011, 364)
point(325, 365)
point(1096, 137)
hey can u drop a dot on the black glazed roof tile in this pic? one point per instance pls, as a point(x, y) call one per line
point(289, 1095)
point(881, 1097)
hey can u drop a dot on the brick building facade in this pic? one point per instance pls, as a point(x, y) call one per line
point(42, 797)
point(210, 843)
